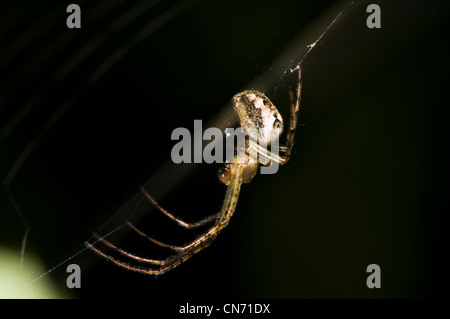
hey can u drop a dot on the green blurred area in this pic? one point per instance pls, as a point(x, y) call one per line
point(15, 281)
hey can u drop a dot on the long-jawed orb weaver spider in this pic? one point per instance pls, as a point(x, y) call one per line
point(255, 111)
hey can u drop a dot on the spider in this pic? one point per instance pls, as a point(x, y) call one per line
point(255, 111)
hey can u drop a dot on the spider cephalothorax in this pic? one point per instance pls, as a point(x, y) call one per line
point(230, 169)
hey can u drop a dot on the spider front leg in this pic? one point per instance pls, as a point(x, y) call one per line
point(166, 264)
point(184, 252)
point(121, 251)
point(177, 220)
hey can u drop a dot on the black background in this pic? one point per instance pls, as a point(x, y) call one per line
point(365, 184)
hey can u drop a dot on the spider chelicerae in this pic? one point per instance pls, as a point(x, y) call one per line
point(255, 111)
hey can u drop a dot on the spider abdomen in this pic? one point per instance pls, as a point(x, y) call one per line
point(258, 116)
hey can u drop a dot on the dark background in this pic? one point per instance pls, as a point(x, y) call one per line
point(90, 113)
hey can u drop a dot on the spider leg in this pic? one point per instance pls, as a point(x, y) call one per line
point(155, 241)
point(295, 107)
point(282, 148)
point(177, 220)
point(124, 252)
point(185, 252)
point(267, 156)
point(145, 270)
point(166, 264)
